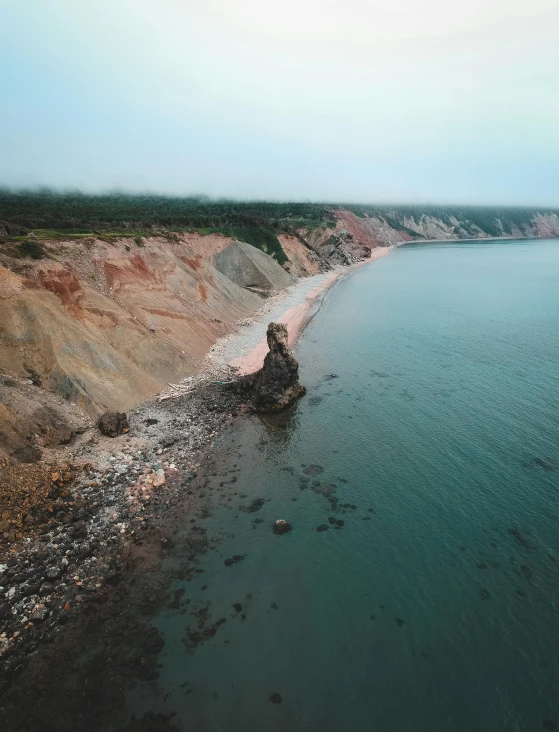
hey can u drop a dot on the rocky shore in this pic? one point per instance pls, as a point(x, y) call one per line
point(99, 516)
point(94, 512)
point(77, 564)
point(74, 562)
point(67, 522)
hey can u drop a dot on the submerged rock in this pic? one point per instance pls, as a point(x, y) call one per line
point(325, 489)
point(256, 505)
point(313, 470)
point(545, 463)
point(277, 385)
point(234, 559)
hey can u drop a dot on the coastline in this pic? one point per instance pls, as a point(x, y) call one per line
point(113, 520)
point(298, 316)
point(101, 653)
point(475, 239)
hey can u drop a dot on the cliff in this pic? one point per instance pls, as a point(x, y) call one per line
point(104, 300)
point(106, 324)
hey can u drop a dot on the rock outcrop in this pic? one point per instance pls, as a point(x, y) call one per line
point(32, 419)
point(281, 527)
point(277, 385)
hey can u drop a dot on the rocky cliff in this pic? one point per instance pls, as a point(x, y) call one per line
point(276, 385)
point(106, 324)
point(120, 295)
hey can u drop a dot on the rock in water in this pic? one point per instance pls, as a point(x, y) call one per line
point(113, 424)
point(281, 527)
point(277, 385)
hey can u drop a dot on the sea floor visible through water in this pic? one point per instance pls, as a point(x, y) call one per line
point(418, 588)
point(419, 585)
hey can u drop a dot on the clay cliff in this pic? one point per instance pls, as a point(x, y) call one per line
point(106, 299)
point(104, 322)
point(107, 324)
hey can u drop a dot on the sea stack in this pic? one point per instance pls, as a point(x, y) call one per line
point(277, 385)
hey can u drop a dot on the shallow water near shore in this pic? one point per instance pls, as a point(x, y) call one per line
point(434, 606)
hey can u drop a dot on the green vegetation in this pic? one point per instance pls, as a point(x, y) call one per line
point(392, 222)
point(55, 215)
point(31, 248)
point(65, 216)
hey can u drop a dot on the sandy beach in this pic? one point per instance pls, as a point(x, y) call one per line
point(116, 492)
point(245, 350)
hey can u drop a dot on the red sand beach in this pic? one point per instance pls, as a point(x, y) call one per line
point(298, 316)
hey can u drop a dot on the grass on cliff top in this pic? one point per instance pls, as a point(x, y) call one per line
point(258, 236)
point(53, 215)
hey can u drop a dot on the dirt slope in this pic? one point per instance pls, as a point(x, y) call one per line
point(32, 419)
point(303, 261)
point(105, 325)
point(249, 267)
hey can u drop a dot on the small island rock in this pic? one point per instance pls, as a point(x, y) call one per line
point(281, 527)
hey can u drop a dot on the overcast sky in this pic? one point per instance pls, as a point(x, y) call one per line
point(340, 100)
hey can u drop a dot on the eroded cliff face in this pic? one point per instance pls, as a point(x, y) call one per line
point(251, 268)
point(302, 260)
point(108, 324)
point(398, 225)
point(32, 419)
point(105, 321)
point(347, 242)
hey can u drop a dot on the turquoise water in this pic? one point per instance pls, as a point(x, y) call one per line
point(435, 606)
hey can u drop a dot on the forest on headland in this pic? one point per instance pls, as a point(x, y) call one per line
point(51, 214)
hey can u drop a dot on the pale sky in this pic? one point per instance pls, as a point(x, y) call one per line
point(337, 100)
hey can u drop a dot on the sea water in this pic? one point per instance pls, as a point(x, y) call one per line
point(430, 428)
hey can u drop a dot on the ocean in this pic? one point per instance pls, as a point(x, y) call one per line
point(418, 589)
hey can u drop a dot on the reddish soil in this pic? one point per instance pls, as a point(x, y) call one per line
point(359, 229)
point(194, 262)
point(203, 290)
point(65, 285)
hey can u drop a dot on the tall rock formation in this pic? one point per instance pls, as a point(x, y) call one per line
point(277, 385)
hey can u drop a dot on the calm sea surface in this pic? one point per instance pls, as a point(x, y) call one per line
point(435, 606)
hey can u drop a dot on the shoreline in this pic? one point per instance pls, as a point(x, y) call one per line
point(89, 546)
point(110, 643)
point(477, 239)
point(297, 317)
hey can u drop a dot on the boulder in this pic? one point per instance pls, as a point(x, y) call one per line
point(113, 424)
point(277, 385)
point(281, 527)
